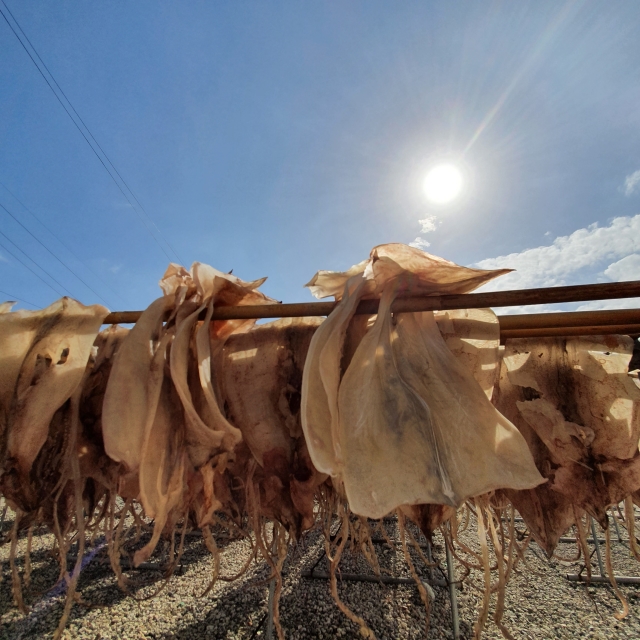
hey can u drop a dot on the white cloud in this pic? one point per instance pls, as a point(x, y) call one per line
point(568, 258)
point(103, 265)
point(591, 254)
point(428, 224)
point(420, 243)
point(631, 183)
point(597, 305)
point(626, 269)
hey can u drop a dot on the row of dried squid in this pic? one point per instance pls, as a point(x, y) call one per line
point(269, 430)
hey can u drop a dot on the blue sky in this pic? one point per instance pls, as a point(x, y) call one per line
point(281, 138)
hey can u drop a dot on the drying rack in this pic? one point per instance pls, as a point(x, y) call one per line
point(562, 324)
point(448, 580)
point(603, 578)
point(572, 323)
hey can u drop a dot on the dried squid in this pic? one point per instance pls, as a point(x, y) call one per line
point(43, 357)
point(161, 415)
point(407, 423)
point(580, 410)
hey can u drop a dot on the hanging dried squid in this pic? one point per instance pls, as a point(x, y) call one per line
point(406, 423)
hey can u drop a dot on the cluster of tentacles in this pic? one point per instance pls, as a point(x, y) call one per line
point(266, 431)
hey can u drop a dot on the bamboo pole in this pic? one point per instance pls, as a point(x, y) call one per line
point(570, 319)
point(551, 331)
point(518, 297)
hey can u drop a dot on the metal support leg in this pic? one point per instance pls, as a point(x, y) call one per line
point(430, 559)
point(578, 577)
point(615, 524)
point(269, 631)
point(602, 578)
point(597, 546)
point(453, 597)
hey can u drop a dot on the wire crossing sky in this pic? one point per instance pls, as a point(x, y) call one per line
point(84, 130)
point(66, 247)
point(281, 138)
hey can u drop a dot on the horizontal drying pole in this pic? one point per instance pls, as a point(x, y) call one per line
point(526, 325)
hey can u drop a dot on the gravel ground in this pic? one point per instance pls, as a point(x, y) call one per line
point(540, 602)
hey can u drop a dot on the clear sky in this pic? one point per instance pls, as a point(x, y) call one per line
point(279, 138)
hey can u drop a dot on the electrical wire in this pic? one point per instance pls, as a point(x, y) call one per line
point(26, 266)
point(54, 255)
point(142, 218)
point(80, 130)
point(12, 297)
point(61, 241)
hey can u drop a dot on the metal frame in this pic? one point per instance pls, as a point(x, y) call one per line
point(602, 578)
point(448, 581)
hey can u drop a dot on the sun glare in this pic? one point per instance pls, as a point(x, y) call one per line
point(443, 183)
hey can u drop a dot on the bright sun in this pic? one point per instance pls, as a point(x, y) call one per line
point(443, 183)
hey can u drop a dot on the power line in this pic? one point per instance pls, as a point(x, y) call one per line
point(26, 266)
point(81, 131)
point(84, 124)
point(61, 241)
point(142, 218)
point(54, 255)
point(4, 293)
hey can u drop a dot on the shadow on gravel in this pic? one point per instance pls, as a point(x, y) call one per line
point(237, 612)
point(308, 611)
point(97, 585)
